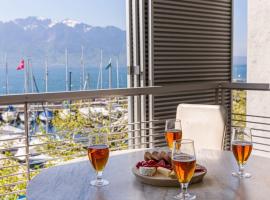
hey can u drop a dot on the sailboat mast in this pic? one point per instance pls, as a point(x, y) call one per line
point(117, 72)
point(6, 66)
point(83, 66)
point(26, 77)
point(101, 64)
point(66, 62)
point(88, 81)
point(31, 76)
point(69, 81)
point(86, 85)
point(46, 74)
point(110, 76)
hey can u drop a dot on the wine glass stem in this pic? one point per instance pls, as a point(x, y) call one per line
point(184, 188)
point(241, 169)
point(99, 176)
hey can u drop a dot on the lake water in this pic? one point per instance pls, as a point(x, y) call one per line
point(57, 76)
point(56, 80)
point(240, 73)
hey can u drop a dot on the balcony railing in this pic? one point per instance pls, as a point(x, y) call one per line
point(44, 143)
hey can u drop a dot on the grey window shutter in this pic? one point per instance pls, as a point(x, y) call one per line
point(175, 41)
point(190, 41)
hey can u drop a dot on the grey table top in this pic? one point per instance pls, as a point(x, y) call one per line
point(71, 181)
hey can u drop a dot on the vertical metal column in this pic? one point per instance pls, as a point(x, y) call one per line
point(151, 71)
point(129, 63)
point(227, 142)
point(142, 71)
point(136, 60)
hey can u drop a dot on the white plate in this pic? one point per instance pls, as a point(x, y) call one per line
point(161, 180)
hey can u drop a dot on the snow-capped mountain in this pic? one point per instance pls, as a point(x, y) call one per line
point(37, 37)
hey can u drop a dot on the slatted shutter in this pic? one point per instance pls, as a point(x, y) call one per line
point(176, 41)
point(190, 41)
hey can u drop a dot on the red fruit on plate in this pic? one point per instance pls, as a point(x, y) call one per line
point(151, 162)
point(161, 163)
point(139, 164)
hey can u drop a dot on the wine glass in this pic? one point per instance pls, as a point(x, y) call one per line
point(241, 148)
point(98, 154)
point(184, 164)
point(173, 131)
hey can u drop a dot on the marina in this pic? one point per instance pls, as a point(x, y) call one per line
point(42, 118)
point(42, 124)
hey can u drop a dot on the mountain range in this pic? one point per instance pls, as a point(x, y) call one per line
point(37, 38)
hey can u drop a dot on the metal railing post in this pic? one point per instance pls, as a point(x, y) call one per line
point(26, 131)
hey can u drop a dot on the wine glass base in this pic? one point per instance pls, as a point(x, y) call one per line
point(99, 183)
point(187, 196)
point(241, 175)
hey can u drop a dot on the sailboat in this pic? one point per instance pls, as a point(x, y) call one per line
point(96, 108)
point(10, 114)
point(100, 75)
point(46, 115)
point(31, 117)
point(66, 112)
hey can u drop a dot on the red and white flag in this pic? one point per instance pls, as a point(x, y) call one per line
point(21, 65)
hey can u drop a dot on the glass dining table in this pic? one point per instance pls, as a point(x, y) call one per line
point(71, 181)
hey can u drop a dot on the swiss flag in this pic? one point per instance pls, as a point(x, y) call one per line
point(21, 65)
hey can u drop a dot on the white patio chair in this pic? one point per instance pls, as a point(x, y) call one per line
point(205, 124)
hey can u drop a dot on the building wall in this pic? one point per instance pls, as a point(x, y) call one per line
point(258, 67)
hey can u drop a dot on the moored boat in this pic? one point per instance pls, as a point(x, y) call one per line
point(10, 114)
point(46, 115)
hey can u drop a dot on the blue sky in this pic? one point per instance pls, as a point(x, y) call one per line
point(103, 13)
point(240, 27)
point(93, 12)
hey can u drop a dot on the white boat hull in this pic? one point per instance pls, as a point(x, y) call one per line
point(9, 116)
